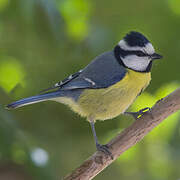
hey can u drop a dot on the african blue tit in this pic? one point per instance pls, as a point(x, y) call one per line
point(107, 86)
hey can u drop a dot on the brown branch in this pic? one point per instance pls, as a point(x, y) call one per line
point(129, 137)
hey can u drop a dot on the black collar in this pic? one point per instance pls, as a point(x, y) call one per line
point(118, 51)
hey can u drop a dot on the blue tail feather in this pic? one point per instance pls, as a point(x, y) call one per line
point(33, 99)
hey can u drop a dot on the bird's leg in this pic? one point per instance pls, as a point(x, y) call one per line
point(139, 113)
point(102, 148)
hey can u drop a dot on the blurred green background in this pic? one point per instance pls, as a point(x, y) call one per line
point(42, 42)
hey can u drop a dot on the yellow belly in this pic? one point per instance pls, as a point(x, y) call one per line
point(107, 103)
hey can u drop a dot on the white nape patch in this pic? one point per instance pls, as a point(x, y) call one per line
point(136, 63)
point(149, 49)
point(126, 47)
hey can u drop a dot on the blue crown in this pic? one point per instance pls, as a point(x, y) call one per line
point(136, 39)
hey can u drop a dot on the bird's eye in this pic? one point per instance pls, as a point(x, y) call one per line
point(140, 53)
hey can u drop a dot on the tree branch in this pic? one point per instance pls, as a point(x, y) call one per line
point(129, 137)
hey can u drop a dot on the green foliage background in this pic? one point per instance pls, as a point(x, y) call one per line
point(42, 42)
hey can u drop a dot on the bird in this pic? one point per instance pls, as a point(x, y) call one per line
point(107, 86)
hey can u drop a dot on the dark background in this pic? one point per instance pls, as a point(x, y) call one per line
point(42, 42)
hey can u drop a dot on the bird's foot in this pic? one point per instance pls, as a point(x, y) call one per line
point(104, 149)
point(139, 113)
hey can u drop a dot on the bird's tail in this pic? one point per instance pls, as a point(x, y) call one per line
point(33, 99)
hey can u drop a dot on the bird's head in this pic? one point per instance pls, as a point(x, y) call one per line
point(135, 52)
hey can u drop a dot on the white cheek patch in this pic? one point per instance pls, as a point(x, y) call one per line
point(136, 63)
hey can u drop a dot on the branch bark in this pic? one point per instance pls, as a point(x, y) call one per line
point(129, 137)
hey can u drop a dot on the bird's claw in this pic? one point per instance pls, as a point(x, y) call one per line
point(139, 113)
point(104, 149)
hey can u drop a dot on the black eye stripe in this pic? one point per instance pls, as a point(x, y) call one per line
point(137, 53)
point(123, 53)
point(140, 53)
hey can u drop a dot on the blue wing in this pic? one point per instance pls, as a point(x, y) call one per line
point(103, 72)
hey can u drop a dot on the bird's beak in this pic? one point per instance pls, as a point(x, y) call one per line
point(156, 56)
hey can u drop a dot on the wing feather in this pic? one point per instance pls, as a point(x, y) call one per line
point(103, 72)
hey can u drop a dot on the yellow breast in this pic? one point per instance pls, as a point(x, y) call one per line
point(109, 102)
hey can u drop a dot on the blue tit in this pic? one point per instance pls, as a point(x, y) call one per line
point(107, 86)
